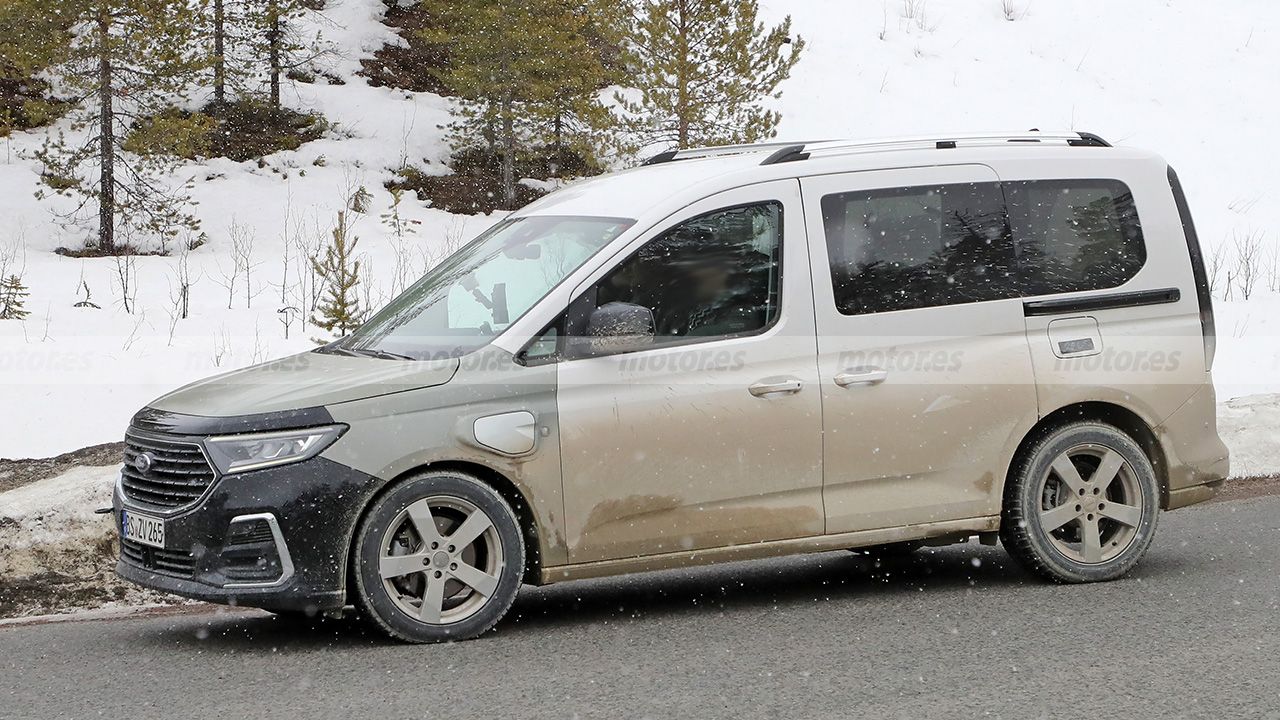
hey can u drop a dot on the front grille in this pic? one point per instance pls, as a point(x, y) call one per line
point(177, 475)
point(177, 563)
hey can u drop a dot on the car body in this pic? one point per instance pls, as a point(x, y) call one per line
point(904, 325)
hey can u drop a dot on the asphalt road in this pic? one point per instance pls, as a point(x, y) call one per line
point(954, 633)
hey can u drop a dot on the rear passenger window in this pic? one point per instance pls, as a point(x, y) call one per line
point(1075, 234)
point(903, 248)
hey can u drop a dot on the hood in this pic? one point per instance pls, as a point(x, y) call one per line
point(306, 380)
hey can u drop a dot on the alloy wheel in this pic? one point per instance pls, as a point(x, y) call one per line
point(441, 560)
point(1091, 504)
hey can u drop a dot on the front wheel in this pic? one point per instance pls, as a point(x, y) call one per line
point(438, 557)
point(1081, 504)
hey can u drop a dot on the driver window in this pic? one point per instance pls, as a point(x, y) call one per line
point(715, 276)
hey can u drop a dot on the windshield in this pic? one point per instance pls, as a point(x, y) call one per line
point(478, 291)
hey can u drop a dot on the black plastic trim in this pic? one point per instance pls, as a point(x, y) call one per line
point(790, 153)
point(1088, 139)
point(661, 157)
point(1203, 294)
point(317, 504)
point(162, 421)
point(1107, 301)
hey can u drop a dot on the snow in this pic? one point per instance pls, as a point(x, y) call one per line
point(1186, 79)
point(50, 525)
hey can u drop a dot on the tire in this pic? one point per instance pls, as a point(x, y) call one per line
point(455, 590)
point(1064, 522)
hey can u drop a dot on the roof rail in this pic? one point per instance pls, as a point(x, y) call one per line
point(791, 151)
point(944, 142)
point(719, 151)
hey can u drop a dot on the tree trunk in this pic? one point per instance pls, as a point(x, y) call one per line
point(274, 40)
point(106, 136)
point(558, 158)
point(508, 154)
point(682, 76)
point(219, 53)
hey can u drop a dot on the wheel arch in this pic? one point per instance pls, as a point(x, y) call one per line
point(1123, 418)
point(497, 481)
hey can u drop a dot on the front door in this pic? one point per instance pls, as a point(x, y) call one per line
point(926, 378)
point(711, 436)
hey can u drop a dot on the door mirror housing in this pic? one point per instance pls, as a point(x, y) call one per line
point(619, 327)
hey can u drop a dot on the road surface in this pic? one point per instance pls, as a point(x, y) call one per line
point(957, 632)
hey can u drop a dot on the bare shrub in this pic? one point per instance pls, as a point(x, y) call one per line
point(240, 271)
point(127, 280)
point(1217, 264)
point(1248, 266)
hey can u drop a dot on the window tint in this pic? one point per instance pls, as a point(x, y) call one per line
point(903, 248)
point(714, 276)
point(1075, 234)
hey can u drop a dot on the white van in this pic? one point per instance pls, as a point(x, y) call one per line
point(729, 353)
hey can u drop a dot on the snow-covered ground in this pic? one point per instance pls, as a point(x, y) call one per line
point(1189, 79)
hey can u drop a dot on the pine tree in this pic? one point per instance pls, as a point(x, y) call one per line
point(526, 72)
point(230, 27)
point(253, 44)
point(339, 311)
point(29, 44)
point(130, 59)
point(13, 296)
point(703, 68)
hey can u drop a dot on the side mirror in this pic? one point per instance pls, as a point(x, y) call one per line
point(619, 327)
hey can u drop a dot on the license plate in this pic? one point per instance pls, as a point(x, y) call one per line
point(142, 529)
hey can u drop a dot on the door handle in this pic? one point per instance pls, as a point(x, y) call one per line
point(781, 387)
point(861, 376)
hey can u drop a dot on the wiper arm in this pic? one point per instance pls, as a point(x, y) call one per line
point(381, 354)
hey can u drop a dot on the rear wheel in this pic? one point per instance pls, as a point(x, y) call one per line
point(1081, 505)
point(438, 557)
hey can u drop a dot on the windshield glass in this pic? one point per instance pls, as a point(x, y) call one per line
point(478, 291)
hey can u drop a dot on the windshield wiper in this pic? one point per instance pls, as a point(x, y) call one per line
point(380, 354)
point(363, 352)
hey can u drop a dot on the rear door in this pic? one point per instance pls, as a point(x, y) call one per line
point(926, 379)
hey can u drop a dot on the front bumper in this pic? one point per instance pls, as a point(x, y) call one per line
point(310, 508)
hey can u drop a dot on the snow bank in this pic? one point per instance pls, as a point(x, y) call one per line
point(55, 553)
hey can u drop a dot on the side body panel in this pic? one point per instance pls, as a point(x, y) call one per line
point(393, 434)
point(668, 450)
point(928, 439)
point(1150, 358)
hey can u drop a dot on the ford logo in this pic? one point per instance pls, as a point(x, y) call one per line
point(143, 462)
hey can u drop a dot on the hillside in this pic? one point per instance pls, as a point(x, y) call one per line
point(1191, 80)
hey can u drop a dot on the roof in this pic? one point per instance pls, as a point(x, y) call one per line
point(672, 180)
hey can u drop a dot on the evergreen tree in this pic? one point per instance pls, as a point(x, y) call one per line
point(702, 69)
point(129, 59)
point(29, 44)
point(283, 45)
point(526, 72)
point(253, 44)
point(339, 310)
point(13, 296)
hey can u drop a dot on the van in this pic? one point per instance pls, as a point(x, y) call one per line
point(726, 354)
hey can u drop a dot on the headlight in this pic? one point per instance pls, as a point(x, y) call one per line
point(239, 453)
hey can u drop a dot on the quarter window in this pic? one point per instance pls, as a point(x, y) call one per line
point(903, 248)
point(1075, 234)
